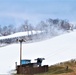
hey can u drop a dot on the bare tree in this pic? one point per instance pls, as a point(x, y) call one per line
point(4, 31)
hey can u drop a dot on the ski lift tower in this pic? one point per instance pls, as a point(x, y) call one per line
point(21, 40)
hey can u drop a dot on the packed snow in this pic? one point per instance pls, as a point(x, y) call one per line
point(20, 34)
point(55, 50)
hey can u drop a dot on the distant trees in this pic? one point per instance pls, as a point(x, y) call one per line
point(7, 30)
point(0, 30)
point(48, 28)
point(10, 29)
point(42, 26)
point(65, 25)
point(26, 27)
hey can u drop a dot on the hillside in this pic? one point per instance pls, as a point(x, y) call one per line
point(55, 50)
point(63, 68)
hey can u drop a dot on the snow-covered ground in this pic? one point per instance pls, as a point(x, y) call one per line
point(55, 50)
point(20, 34)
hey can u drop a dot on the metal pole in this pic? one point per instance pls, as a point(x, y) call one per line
point(20, 51)
point(21, 40)
point(16, 65)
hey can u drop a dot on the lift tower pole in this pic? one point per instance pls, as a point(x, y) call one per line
point(21, 40)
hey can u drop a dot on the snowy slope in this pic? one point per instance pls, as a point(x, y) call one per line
point(19, 34)
point(58, 49)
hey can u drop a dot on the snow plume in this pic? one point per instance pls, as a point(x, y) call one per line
point(54, 27)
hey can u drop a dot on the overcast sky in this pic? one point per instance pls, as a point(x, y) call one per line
point(17, 11)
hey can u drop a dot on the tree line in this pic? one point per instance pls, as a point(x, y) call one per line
point(48, 28)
